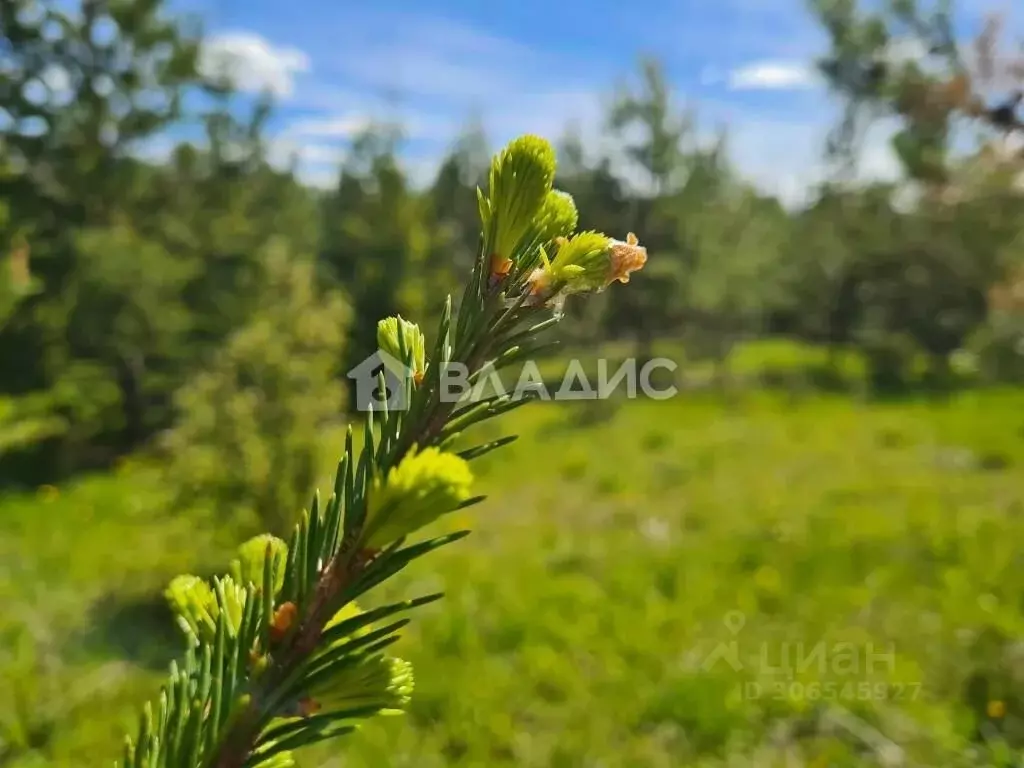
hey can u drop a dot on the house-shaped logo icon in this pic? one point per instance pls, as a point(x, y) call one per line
point(368, 393)
point(728, 652)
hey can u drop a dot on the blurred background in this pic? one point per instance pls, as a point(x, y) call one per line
point(809, 557)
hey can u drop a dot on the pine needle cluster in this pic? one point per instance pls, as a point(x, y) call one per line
point(279, 655)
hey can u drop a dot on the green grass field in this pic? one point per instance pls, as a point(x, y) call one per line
point(850, 560)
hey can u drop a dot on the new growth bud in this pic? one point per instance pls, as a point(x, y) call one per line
point(558, 216)
point(587, 262)
point(424, 486)
point(403, 341)
point(193, 602)
point(520, 179)
point(376, 682)
point(626, 257)
point(248, 566)
point(196, 605)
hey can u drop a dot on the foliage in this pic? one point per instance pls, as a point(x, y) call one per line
point(25, 420)
point(16, 283)
point(917, 279)
point(286, 659)
point(247, 438)
point(152, 313)
point(853, 523)
point(141, 266)
point(733, 254)
point(378, 242)
point(998, 347)
point(144, 248)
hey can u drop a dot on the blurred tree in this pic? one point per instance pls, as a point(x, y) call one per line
point(603, 203)
point(16, 281)
point(453, 192)
point(649, 114)
point(735, 246)
point(143, 266)
point(816, 260)
point(127, 317)
point(80, 87)
point(378, 240)
point(915, 280)
point(453, 215)
point(249, 437)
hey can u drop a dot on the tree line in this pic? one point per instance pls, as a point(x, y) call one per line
point(207, 306)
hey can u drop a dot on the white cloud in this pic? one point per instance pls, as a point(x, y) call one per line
point(319, 143)
point(319, 178)
point(56, 78)
point(414, 57)
point(340, 127)
point(768, 75)
point(252, 63)
point(786, 157)
point(415, 124)
point(781, 157)
point(283, 149)
point(154, 149)
point(904, 50)
point(878, 161)
point(421, 171)
point(432, 74)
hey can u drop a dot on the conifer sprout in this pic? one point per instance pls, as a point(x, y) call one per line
point(278, 655)
point(412, 342)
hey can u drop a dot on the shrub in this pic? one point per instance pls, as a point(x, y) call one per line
point(249, 436)
point(998, 348)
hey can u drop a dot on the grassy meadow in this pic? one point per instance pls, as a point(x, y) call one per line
point(856, 562)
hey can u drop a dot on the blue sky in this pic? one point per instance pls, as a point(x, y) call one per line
point(532, 66)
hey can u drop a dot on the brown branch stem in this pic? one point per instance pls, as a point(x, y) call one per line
point(238, 744)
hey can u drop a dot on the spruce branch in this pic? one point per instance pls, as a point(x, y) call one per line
point(279, 654)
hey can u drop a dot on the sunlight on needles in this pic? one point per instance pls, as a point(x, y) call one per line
point(279, 654)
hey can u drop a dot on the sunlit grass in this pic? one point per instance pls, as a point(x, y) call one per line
point(601, 575)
